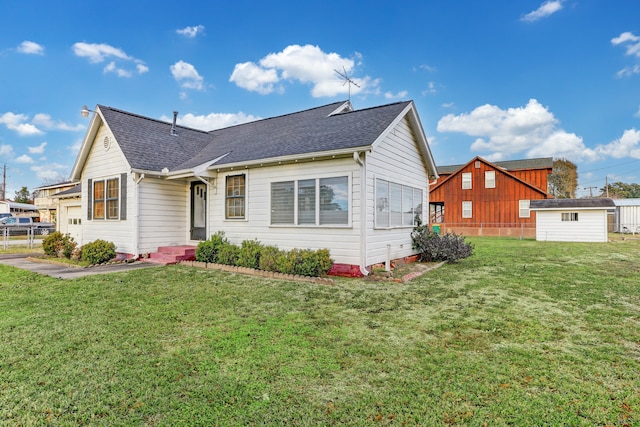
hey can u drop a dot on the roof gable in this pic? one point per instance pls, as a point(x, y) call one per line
point(492, 166)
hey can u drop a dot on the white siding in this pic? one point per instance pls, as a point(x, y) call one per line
point(164, 213)
point(397, 159)
point(103, 164)
point(590, 227)
point(629, 217)
point(342, 241)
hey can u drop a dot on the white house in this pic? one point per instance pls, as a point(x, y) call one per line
point(627, 217)
point(352, 181)
point(572, 220)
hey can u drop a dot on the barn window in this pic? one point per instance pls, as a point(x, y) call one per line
point(466, 181)
point(235, 197)
point(490, 179)
point(524, 209)
point(397, 205)
point(467, 209)
point(318, 201)
point(569, 216)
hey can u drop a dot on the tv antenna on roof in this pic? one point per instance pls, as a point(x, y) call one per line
point(347, 80)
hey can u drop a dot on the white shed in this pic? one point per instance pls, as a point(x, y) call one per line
point(627, 219)
point(572, 220)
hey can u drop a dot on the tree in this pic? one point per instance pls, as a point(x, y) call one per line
point(22, 196)
point(621, 190)
point(563, 182)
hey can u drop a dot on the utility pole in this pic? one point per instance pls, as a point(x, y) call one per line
point(4, 183)
point(590, 190)
point(606, 185)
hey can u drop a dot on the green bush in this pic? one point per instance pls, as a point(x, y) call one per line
point(98, 252)
point(305, 262)
point(208, 250)
point(448, 247)
point(269, 258)
point(249, 254)
point(58, 245)
point(52, 243)
point(228, 254)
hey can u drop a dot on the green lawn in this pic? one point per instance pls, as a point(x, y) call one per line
point(521, 333)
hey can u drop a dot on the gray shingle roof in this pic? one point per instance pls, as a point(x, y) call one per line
point(571, 203)
point(148, 144)
point(509, 165)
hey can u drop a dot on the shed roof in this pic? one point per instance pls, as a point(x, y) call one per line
point(626, 202)
point(598, 203)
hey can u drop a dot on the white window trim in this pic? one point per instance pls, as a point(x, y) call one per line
point(521, 209)
point(317, 178)
point(469, 181)
point(470, 204)
point(492, 180)
point(246, 196)
point(375, 198)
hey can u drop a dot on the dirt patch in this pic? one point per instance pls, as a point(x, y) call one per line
point(403, 272)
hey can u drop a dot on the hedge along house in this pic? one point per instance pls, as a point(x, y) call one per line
point(572, 220)
point(351, 181)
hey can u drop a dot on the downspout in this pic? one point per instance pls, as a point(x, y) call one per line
point(136, 217)
point(363, 211)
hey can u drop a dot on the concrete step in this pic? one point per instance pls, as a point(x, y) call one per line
point(172, 255)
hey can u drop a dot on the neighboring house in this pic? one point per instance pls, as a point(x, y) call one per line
point(485, 198)
point(572, 220)
point(18, 209)
point(69, 211)
point(627, 216)
point(46, 204)
point(352, 181)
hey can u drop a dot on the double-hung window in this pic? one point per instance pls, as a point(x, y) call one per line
point(467, 209)
point(466, 181)
point(235, 197)
point(524, 209)
point(107, 198)
point(490, 179)
point(397, 205)
point(318, 201)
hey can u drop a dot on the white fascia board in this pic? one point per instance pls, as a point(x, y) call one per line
point(85, 148)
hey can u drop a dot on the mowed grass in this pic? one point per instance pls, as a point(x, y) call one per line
point(521, 333)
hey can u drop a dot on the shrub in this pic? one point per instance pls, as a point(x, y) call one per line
point(305, 262)
point(269, 258)
point(98, 252)
point(52, 243)
point(448, 247)
point(58, 245)
point(249, 254)
point(207, 251)
point(228, 254)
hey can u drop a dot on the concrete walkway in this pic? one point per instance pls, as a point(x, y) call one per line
point(62, 271)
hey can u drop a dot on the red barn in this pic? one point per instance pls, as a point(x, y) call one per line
point(484, 198)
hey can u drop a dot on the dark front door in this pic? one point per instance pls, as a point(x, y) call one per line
point(198, 211)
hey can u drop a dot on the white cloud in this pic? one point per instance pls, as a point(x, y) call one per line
point(531, 130)
point(631, 41)
point(37, 149)
point(212, 121)
point(16, 122)
point(100, 52)
point(45, 121)
point(304, 64)
point(191, 32)
point(430, 90)
point(31, 48)
point(49, 172)
point(253, 78)
point(628, 145)
point(637, 114)
point(24, 159)
point(547, 8)
point(187, 75)
point(628, 71)
point(6, 150)
point(401, 94)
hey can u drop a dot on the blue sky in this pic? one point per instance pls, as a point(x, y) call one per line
point(499, 79)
